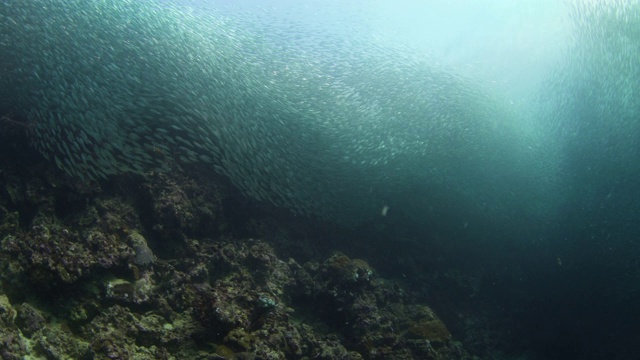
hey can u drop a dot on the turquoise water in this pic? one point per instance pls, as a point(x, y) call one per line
point(492, 122)
point(325, 117)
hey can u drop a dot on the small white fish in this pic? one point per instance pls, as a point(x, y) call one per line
point(384, 211)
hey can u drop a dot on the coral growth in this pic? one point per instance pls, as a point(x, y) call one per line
point(106, 271)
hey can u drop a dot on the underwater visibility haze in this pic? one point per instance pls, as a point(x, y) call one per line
point(488, 140)
point(326, 123)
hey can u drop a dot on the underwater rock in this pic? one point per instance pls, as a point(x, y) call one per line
point(12, 345)
point(144, 255)
point(59, 343)
point(7, 312)
point(429, 326)
point(9, 222)
point(29, 320)
point(50, 252)
point(49, 255)
point(185, 204)
point(374, 317)
point(217, 298)
point(347, 272)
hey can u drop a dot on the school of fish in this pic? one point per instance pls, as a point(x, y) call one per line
point(332, 127)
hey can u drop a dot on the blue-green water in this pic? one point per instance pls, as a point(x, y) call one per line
point(330, 123)
point(491, 122)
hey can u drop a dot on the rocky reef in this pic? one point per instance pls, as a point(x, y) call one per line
point(161, 266)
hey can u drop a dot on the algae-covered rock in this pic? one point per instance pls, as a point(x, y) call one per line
point(29, 319)
point(143, 254)
point(12, 347)
point(428, 326)
point(7, 312)
point(57, 342)
point(92, 286)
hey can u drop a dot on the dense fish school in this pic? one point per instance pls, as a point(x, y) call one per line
point(338, 128)
point(591, 109)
